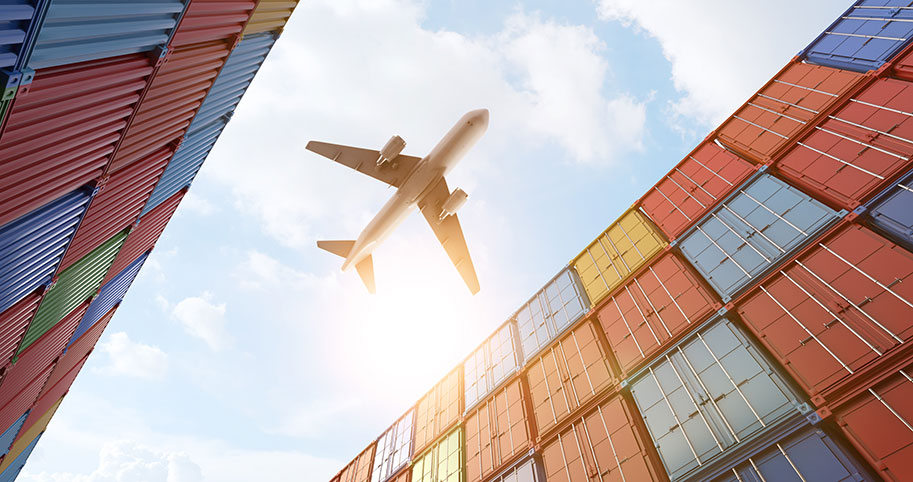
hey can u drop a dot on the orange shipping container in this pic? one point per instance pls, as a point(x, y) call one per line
point(438, 410)
point(497, 431)
point(358, 470)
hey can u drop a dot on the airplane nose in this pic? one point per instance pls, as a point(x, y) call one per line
point(478, 116)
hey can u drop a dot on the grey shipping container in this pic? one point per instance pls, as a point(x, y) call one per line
point(892, 211)
point(528, 470)
point(490, 364)
point(552, 310)
point(394, 448)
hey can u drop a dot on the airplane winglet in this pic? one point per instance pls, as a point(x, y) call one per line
point(365, 269)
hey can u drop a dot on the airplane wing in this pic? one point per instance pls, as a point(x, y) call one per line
point(365, 161)
point(449, 233)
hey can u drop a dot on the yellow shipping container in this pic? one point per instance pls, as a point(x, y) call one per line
point(443, 462)
point(270, 15)
point(619, 251)
point(29, 435)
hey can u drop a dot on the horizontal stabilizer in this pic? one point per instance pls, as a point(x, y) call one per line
point(339, 248)
point(365, 269)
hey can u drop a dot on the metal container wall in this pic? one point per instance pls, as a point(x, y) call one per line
point(438, 410)
point(605, 445)
point(753, 231)
point(620, 250)
point(903, 66)
point(529, 470)
point(59, 136)
point(13, 323)
point(108, 297)
point(866, 36)
point(13, 466)
point(270, 15)
point(51, 395)
point(358, 470)
point(793, 99)
point(443, 462)
point(857, 149)
point(394, 449)
point(490, 365)
point(567, 375)
point(18, 21)
point(76, 352)
point(551, 311)
point(31, 246)
point(890, 212)
point(81, 30)
point(145, 234)
point(74, 286)
point(654, 308)
point(23, 400)
point(39, 418)
point(208, 20)
point(497, 432)
point(707, 396)
point(700, 181)
point(844, 304)
point(6, 439)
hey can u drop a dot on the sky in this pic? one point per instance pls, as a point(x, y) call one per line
point(243, 353)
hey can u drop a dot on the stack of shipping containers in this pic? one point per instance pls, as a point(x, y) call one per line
point(747, 319)
point(108, 110)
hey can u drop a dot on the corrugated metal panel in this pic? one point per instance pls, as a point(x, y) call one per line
point(394, 448)
point(18, 22)
point(701, 180)
point(567, 375)
point(32, 245)
point(58, 137)
point(81, 30)
point(497, 431)
point(842, 305)
point(605, 445)
point(116, 205)
point(490, 364)
point(443, 462)
point(903, 65)
point(709, 395)
point(866, 36)
point(438, 410)
point(793, 99)
point(857, 149)
point(174, 95)
point(624, 247)
point(76, 352)
point(145, 234)
point(207, 20)
point(358, 470)
point(110, 295)
point(74, 286)
point(6, 439)
point(13, 323)
point(23, 400)
point(891, 212)
point(31, 431)
point(52, 394)
point(184, 166)
point(529, 470)
point(15, 465)
point(554, 308)
point(270, 15)
point(752, 231)
point(653, 309)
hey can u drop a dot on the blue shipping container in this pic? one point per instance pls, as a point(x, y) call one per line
point(9, 435)
point(866, 36)
point(892, 211)
point(110, 295)
point(32, 246)
point(11, 472)
point(19, 20)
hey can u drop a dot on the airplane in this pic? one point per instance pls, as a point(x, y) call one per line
point(419, 181)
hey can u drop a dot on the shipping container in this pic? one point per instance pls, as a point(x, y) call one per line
point(903, 66)
point(15, 465)
point(443, 462)
point(405, 475)
point(438, 410)
point(209, 20)
point(144, 234)
point(711, 396)
point(792, 100)
point(490, 364)
point(73, 287)
point(184, 165)
point(497, 432)
point(858, 149)
point(528, 470)
point(567, 375)
point(51, 395)
point(23, 400)
point(891, 211)
point(655, 308)
point(695, 185)
point(19, 20)
point(606, 444)
point(270, 15)
point(117, 204)
point(358, 470)
point(83, 30)
point(866, 36)
point(32, 246)
point(58, 137)
point(752, 231)
point(842, 305)
point(551, 311)
point(33, 431)
point(9, 435)
point(77, 352)
point(108, 297)
point(394, 449)
point(13, 323)
point(620, 250)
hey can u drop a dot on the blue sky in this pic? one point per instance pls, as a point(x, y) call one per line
point(242, 353)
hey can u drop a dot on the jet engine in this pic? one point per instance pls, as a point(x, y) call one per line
point(454, 202)
point(390, 150)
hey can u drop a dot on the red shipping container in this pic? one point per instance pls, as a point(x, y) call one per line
point(655, 308)
point(497, 432)
point(60, 134)
point(903, 64)
point(358, 470)
point(858, 149)
point(23, 400)
point(438, 410)
point(879, 422)
point(207, 20)
point(78, 351)
point(174, 95)
point(13, 323)
point(117, 205)
point(51, 394)
point(144, 235)
point(843, 305)
point(694, 186)
point(404, 476)
point(607, 444)
point(567, 375)
point(792, 100)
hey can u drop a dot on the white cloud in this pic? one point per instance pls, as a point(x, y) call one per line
point(133, 359)
point(204, 319)
point(129, 461)
point(196, 204)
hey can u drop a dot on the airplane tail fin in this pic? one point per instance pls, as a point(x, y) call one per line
point(365, 269)
point(339, 248)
